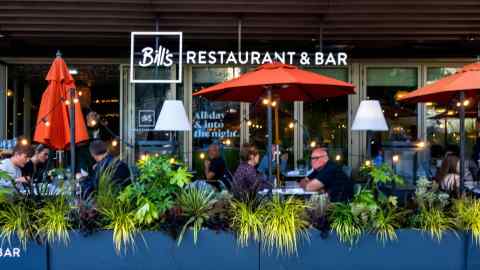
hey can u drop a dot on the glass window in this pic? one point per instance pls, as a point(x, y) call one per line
point(387, 85)
point(443, 125)
point(214, 122)
point(325, 122)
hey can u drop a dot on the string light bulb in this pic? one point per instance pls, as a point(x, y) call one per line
point(172, 160)
point(67, 102)
point(313, 144)
point(93, 123)
point(274, 103)
point(395, 158)
point(421, 144)
point(75, 100)
point(368, 163)
point(202, 155)
point(291, 125)
point(9, 93)
point(265, 101)
point(338, 157)
point(249, 123)
point(114, 143)
point(47, 123)
point(24, 142)
point(80, 93)
point(228, 142)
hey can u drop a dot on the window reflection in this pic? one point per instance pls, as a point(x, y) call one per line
point(214, 122)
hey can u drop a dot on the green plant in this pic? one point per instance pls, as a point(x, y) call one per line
point(432, 214)
point(53, 222)
point(16, 218)
point(121, 219)
point(384, 174)
point(284, 224)
point(467, 213)
point(247, 220)
point(343, 221)
point(195, 204)
point(387, 219)
point(434, 221)
point(106, 193)
point(156, 188)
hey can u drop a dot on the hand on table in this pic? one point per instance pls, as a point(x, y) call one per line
point(22, 180)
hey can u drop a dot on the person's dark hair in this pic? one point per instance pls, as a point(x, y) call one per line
point(40, 147)
point(449, 166)
point(320, 148)
point(98, 147)
point(20, 149)
point(246, 151)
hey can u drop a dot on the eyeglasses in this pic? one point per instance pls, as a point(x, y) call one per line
point(317, 157)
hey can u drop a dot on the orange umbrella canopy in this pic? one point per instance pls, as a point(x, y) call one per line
point(445, 90)
point(288, 83)
point(53, 127)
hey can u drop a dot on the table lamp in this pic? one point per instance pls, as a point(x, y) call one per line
point(172, 118)
point(369, 117)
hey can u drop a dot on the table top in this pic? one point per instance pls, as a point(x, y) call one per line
point(288, 191)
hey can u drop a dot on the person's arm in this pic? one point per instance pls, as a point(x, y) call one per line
point(314, 185)
point(206, 166)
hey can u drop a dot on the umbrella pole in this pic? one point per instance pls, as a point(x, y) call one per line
point(462, 141)
point(269, 128)
point(72, 133)
point(277, 142)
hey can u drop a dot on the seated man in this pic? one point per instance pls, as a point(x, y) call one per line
point(214, 166)
point(327, 177)
point(13, 165)
point(120, 174)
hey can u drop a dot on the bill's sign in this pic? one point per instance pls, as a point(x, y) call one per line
point(158, 55)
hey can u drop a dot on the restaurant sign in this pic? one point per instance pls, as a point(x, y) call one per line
point(152, 51)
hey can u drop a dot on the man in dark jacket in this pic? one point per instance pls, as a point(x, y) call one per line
point(327, 177)
point(120, 171)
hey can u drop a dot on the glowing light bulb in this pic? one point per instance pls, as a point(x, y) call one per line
point(249, 123)
point(114, 143)
point(227, 142)
point(75, 100)
point(24, 141)
point(421, 144)
point(172, 160)
point(274, 103)
point(291, 125)
point(265, 101)
point(338, 157)
point(202, 156)
point(47, 123)
point(93, 123)
point(395, 158)
point(67, 102)
point(466, 103)
point(368, 163)
point(80, 93)
point(313, 144)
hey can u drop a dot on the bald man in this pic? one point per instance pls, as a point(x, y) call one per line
point(327, 177)
point(214, 166)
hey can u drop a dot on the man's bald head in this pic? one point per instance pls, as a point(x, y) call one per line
point(318, 157)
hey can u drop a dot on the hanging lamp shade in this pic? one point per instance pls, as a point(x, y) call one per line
point(172, 117)
point(370, 117)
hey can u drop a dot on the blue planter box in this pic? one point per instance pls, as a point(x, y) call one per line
point(473, 254)
point(213, 251)
point(413, 250)
point(13, 256)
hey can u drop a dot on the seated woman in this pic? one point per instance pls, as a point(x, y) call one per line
point(36, 167)
point(246, 177)
point(448, 176)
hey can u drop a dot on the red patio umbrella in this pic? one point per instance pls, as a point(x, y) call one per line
point(283, 82)
point(454, 88)
point(53, 121)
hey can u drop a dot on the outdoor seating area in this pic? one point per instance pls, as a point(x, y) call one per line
point(249, 135)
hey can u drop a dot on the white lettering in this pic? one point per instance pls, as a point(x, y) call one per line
point(330, 60)
point(255, 58)
point(266, 58)
point(202, 57)
point(147, 57)
point(16, 252)
point(231, 59)
point(242, 61)
point(318, 58)
point(191, 57)
point(7, 253)
point(290, 55)
point(211, 58)
point(342, 59)
point(280, 57)
point(221, 53)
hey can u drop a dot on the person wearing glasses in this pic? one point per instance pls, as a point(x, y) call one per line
point(35, 168)
point(327, 177)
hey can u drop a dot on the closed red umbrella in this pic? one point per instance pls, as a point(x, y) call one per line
point(280, 81)
point(53, 124)
point(465, 83)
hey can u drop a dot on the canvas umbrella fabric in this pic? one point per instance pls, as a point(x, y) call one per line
point(53, 121)
point(278, 81)
point(465, 83)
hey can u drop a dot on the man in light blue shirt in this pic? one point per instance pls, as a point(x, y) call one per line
point(12, 166)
